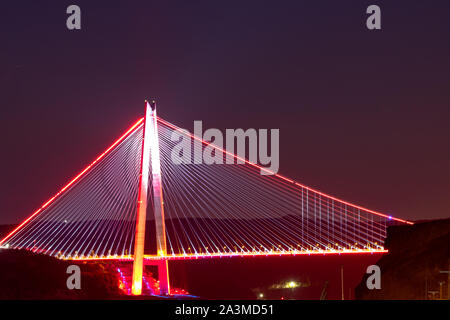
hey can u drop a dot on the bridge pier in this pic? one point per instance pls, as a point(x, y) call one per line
point(163, 274)
point(163, 277)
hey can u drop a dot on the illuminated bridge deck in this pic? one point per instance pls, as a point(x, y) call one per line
point(230, 255)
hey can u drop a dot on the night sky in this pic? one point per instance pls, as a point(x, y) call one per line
point(363, 115)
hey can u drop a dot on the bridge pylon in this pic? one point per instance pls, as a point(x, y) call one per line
point(150, 162)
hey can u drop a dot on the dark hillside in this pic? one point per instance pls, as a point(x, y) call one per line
point(25, 275)
point(412, 267)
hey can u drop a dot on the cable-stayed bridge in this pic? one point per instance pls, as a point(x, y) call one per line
point(133, 203)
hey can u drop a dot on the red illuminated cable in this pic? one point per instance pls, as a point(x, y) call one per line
point(282, 177)
point(130, 130)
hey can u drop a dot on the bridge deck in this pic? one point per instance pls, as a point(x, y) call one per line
point(230, 255)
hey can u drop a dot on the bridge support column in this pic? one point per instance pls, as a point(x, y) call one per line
point(158, 203)
point(150, 158)
point(163, 277)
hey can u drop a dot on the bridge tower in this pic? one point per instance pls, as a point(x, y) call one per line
point(150, 160)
